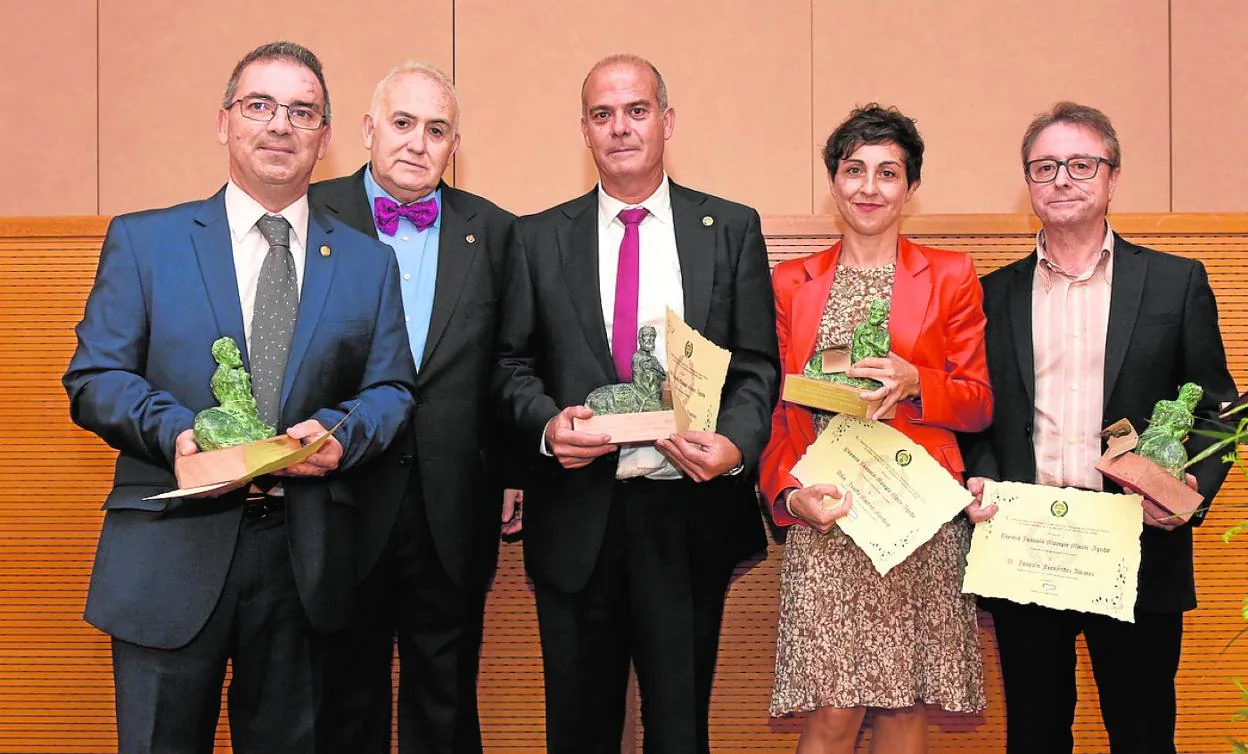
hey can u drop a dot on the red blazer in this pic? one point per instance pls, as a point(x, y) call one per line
point(937, 324)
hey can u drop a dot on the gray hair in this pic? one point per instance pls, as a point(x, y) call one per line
point(412, 67)
point(288, 51)
point(625, 58)
point(1078, 115)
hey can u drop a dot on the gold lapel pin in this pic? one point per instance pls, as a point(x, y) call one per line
point(708, 221)
point(325, 251)
point(470, 238)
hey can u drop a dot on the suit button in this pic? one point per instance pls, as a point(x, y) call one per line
point(1027, 429)
point(405, 459)
point(420, 402)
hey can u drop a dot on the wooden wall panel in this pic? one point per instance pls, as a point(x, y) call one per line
point(738, 75)
point(55, 678)
point(48, 145)
point(1209, 65)
point(975, 72)
point(177, 57)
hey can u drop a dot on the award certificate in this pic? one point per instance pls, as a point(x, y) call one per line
point(1057, 547)
point(901, 495)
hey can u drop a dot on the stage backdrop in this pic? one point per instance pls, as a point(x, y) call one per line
point(55, 676)
point(109, 105)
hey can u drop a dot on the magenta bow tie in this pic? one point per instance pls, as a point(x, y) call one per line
point(387, 212)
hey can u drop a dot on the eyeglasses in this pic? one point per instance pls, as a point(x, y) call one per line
point(1078, 168)
point(264, 110)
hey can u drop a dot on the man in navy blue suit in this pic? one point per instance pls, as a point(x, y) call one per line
point(258, 575)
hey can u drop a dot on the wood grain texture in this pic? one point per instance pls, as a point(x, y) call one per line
point(55, 676)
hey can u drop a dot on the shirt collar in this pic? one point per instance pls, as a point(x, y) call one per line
point(1104, 263)
point(659, 204)
point(373, 189)
point(242, 212)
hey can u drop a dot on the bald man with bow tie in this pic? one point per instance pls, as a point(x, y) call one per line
point(430, 536)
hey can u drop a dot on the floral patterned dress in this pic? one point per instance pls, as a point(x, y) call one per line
point(849, 637)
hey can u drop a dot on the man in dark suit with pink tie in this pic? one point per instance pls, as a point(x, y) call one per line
point(631, 549)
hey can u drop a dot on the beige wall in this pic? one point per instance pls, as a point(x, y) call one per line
point(48, 145)
point(757, 89)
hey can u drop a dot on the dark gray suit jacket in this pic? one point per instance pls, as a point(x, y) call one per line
point(1163, 331)
point(553, 349)
point(458, 446)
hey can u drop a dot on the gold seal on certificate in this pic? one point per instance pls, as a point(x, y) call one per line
point(1058, 547)
point(901, 495)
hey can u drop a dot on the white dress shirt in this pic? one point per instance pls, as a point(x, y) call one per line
point(242, 212)
point(659, 287)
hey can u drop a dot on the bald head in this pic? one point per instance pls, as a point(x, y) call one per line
point(412, 130)
point(627, 59)
point(409, 69)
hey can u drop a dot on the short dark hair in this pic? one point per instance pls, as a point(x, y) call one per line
point(873, 124)
point(289, 51)
point(1079, 115)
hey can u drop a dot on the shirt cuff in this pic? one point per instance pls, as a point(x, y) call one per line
point(542, 446)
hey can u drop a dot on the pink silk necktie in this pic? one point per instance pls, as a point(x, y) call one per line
point(627, 282)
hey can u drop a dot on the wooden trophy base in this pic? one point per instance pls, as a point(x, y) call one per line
point(230, 464)
point(828, 396)
point(1153, 482)
point(630, 429)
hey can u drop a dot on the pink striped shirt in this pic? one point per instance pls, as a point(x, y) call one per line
point(1069, 320)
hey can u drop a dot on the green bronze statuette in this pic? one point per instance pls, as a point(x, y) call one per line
point(870, 340)
point(236, 420)
point(644, 393)
point(1162, 441)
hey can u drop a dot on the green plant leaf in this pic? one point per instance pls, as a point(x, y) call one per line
point(1239, 528)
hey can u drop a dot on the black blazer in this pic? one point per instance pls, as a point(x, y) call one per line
point(1163, 331)
point(553, 352)
point(454, 440)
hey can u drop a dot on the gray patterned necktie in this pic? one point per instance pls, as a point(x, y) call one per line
point(273, 319)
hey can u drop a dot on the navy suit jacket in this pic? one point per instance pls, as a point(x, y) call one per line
point(165, 289)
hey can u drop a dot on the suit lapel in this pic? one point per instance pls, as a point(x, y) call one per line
point(211, 238)
point(1124, 305)
point(318, 273)
point(455, 258)
point(695, 247)
point(1021, 325)
point(349, 201)
point(912, 291)
point(578, 250)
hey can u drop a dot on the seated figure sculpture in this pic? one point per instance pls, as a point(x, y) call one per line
point(870, 340)
point(644, 393)
point(1162, 441)
point(236, 420)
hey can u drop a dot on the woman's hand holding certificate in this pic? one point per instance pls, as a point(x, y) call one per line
point(901, 495)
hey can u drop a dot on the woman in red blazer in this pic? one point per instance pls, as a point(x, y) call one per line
point(849, 639)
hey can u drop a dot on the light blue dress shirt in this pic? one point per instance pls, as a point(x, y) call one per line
point(417, 252)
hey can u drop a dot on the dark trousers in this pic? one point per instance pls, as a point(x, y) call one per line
point(653, 598)
point(168, 700)
point(1134, 665)
point(438, 626)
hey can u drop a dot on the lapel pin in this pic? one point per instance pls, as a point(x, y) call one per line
point(708, 221)
point(325, 251)
point(470, 238)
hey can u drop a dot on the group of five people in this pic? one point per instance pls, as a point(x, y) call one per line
point(456, 345)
